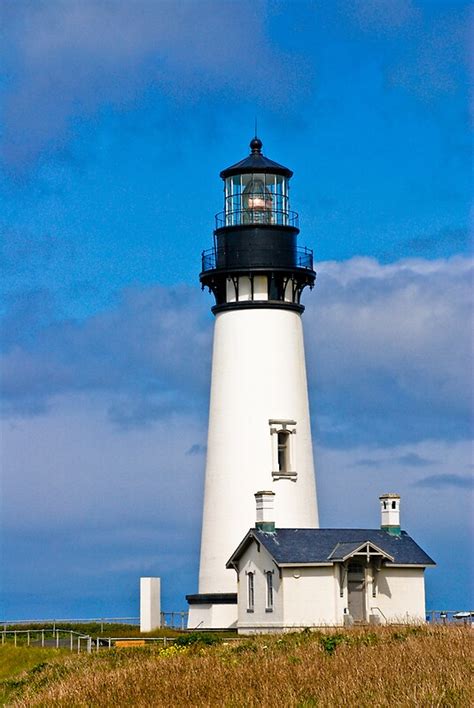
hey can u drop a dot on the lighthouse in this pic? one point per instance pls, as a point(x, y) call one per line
point(259, 423)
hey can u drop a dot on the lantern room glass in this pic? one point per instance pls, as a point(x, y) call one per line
point(258, 198)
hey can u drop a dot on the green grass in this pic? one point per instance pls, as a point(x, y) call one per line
point(14, 661)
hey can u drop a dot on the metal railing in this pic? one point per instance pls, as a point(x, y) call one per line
point(380, 613)
point(74, 641)
point(247, 217)
point(47, 637)
point(215, 258)
point(57, 621)
point(176, 619)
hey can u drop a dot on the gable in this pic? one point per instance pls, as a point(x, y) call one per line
point(250, 549)
point(367, 550)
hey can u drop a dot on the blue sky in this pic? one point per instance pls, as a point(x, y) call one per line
point(116, 119)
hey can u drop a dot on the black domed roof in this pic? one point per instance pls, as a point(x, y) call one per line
point(257, 163)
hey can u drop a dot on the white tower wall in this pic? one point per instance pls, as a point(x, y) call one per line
point(258, 376)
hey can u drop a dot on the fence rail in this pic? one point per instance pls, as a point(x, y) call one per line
point(176, 619)
point(60, 638)
point(67, 620)
point(46, 636)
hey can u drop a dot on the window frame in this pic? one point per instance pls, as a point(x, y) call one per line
point(251, 591)
point(283, 451)
point(269, 591)
point(288, 427)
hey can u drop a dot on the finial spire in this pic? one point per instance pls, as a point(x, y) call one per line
point(256, 146)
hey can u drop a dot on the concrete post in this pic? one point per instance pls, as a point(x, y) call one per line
point(150, 604)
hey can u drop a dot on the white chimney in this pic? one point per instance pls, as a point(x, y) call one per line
point(390, 513)
point(265, 520)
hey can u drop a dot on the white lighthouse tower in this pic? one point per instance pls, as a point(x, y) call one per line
point(259, 423)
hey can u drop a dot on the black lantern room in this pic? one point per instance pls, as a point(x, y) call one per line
point(255, 261)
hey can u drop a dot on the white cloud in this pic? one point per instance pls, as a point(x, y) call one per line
point(389, 348)
point(67, 60)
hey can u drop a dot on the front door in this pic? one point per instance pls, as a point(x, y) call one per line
point(356, 591)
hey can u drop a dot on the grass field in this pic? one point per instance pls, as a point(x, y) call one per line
point(16, 661)
point(410, 666)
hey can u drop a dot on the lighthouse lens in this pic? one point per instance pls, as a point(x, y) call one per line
point(257, 203)
point(256, 199)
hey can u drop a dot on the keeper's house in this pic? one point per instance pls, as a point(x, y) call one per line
point(296, 578)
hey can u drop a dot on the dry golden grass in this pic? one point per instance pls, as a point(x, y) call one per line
point(429, 666)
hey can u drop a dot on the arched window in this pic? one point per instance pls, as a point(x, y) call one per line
point(394, 505)
point(269, 604)
point(250, 592)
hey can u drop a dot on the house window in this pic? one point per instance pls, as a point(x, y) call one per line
point(283, 449)
point(250, 592)
point(269, 605)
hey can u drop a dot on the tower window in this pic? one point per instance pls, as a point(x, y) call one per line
point(394, 505)
point(283, 451)
point(269, 576)
point(250, 592)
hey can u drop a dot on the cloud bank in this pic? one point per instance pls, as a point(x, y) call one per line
point(391, 350)
point(388, 350)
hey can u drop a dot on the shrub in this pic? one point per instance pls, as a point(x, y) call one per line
point(206, 638)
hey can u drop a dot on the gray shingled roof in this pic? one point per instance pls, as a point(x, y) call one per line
point(319, 545)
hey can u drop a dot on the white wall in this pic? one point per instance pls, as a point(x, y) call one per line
point(400, 594)
point(258, 562)
point(258, 374)
point(309, 596)
point(200, 616)
point(207, 616)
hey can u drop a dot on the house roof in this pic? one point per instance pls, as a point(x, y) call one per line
point(308, 546)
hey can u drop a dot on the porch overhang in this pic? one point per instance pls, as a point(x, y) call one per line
point(367, 550)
